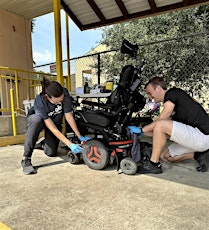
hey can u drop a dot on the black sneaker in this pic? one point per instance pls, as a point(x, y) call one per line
point(28, 167)
point(148, 167)
point(203, 159)
point(40, 143)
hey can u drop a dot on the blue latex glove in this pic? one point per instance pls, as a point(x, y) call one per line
point(75, 148)
point(81, 138)
point(134, 129)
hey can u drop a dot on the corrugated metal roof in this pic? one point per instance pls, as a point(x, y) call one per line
point(89, 14)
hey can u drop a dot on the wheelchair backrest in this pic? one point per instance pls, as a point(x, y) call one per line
point(120, 96)
point(126, 76)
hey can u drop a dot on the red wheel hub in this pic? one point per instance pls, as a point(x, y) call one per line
point(94, 155)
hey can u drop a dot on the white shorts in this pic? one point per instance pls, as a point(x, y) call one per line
point(187, 139)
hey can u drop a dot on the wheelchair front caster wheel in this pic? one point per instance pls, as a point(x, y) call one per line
point(128, 166)
point(73, 158)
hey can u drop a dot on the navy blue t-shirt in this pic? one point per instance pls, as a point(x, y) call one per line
point(187, 110)
point(46, 109)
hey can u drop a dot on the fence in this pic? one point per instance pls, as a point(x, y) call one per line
point(182, 61)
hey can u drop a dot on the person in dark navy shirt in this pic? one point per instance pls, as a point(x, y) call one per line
point(184, 120)
point(50, 106)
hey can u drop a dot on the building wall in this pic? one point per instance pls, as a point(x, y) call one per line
point(15, 52)
point(15, 41)
point(85, 65)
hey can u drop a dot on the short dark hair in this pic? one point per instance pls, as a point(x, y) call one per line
point(155, 81)
point(51, 88)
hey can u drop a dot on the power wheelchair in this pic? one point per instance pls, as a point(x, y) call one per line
point(107, 123)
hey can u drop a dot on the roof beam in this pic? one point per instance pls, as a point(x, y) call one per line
point(71, 14)
point(122, 8)
point(186, 2)
point(146, 13)
point(97, 10)
point(153, 6)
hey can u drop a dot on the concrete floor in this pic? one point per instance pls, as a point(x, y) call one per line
point(62, 196)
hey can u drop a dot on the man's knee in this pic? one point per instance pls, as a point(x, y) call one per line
point(164, 125)
point(159, 125)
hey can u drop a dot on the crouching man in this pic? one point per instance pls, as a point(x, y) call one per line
point(183, 120)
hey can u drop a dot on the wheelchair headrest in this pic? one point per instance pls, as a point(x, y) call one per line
point(128, 48)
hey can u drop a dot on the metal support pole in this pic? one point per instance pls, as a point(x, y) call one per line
point(68, 53)
point(14, 123)
point(58, 41)
point(17, 89)
point(99, 70)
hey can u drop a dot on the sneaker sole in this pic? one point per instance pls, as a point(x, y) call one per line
point(28, 170)
point(146, 171)
point(155, 172)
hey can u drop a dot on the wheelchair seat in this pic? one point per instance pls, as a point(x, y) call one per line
point(94, 117)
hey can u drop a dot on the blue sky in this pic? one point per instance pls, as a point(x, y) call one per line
point(43, 41)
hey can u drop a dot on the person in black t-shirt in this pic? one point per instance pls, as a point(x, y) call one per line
point(182, 119)
point(50, 106)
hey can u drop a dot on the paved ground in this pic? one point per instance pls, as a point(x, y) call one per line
point(65, 196)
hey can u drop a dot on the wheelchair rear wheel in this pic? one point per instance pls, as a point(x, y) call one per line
point(95, 155)
point(128, 166)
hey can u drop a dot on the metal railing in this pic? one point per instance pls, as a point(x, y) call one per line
point(23, 83)
point(16, 86)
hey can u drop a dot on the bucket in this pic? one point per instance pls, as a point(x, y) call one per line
point(31, 103)
point(109, 85)
point(26, 104)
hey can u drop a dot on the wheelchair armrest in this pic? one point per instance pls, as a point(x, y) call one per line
point(91, 103)
point(106, 106)
point(100, 105)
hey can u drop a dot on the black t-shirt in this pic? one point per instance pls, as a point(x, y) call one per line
point(187, 110)
point(46, 109)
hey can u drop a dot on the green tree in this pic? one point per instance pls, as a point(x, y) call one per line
point(182, 58)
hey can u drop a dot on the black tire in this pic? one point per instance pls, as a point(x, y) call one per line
point(95, 155)
point(73, 158)
point(128, 166)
